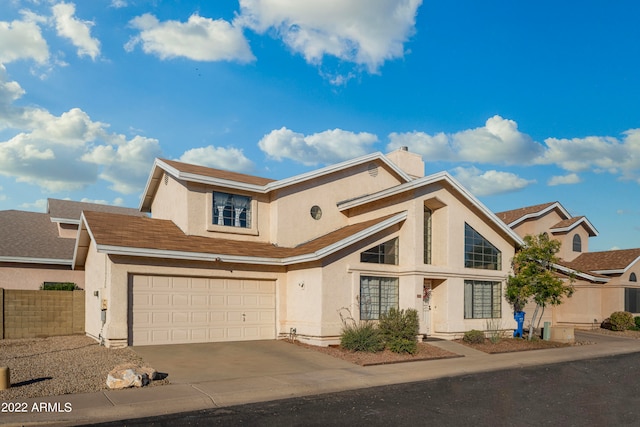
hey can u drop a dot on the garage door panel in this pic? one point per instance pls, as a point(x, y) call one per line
point(183, 310)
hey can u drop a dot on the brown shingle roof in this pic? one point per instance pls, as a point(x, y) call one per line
point(567, 222)
point(32, 235)
point(513, 215)
point(71, 210)
point(158, 234)
point(607, 260)
point(217, 173)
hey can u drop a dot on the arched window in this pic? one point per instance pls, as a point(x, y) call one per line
point(633, 278)
point(577, 243)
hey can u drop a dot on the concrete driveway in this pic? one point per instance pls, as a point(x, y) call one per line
point(196, 363)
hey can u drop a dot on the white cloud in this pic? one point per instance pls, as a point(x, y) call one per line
point(366, 33)
point(117, 4)
point(571, 178)
point(199, 39)
point(489, 182)
point(39, 205)
point(597, 153)
point(218, 157)
point(325, 147)
point(498, 142)
point(22, 40)
point(432, 148)
point(69, 151)
point(77, 31)
point(125, 164)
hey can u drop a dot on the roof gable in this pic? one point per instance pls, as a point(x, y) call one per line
point(441, 177)
point(571, 223)
point(238, 181)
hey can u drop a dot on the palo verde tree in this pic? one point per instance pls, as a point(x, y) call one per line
point(534, 277)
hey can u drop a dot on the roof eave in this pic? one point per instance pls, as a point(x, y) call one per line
point(219, 257)
point(31, 260)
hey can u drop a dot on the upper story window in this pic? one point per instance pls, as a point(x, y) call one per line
point(577, 243)
point(384, 253)
point(479, 252)
point(427, 235)
point(231, 210)
point(633, 277)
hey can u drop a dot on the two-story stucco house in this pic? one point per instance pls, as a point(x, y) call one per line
point(227, 256)
point(605, 281)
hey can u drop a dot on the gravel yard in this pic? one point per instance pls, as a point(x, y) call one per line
point(60, 365)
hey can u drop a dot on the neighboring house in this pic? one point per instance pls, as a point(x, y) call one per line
point(604, 281)
point(38, 247)
point(227, 256)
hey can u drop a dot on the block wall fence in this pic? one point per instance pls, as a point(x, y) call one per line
point(35, 314)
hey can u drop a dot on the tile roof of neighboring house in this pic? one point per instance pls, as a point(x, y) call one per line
point(511, 216)
point(516, 216)
point(140, 236)
point(32, 237)
point(616, 261)
point(70, 211)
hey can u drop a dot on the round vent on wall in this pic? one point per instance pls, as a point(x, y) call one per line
point(316, 212)
point(373, 169)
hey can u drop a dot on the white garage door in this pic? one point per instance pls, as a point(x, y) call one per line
point(173, 310)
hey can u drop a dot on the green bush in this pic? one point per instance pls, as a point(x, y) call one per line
point(362, 336)
point(621, 321)
point(399, 329)
point(636, 320)
point(58, 286)
point(473, 336)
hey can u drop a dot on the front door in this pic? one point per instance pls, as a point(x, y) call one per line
point(426, 306)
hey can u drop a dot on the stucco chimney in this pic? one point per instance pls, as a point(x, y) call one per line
point(410, 163)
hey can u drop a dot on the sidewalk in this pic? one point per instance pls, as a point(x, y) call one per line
point(174, 398)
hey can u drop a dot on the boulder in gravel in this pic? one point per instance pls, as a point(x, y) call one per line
point(130, 375)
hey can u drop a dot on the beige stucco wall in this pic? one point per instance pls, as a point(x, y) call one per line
point(171, 202)
point(32, 276)
point(291, 221)
point(96, 269)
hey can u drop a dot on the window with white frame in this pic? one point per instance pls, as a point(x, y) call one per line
point(479, 252)
point(482, 300)
point(384, 253)
point(377, 296)
point(232, 210)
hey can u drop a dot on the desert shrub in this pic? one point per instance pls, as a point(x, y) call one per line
point(403, 345)
point(494, 330)
point(399, 329)
point(362, 336)
point(621, 321)
point(473, 336)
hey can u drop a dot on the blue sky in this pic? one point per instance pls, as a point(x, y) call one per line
point(522, 102)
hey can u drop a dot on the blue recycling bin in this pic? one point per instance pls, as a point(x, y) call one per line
point(519, 318)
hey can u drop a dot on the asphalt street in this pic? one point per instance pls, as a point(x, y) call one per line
point(594, 392)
